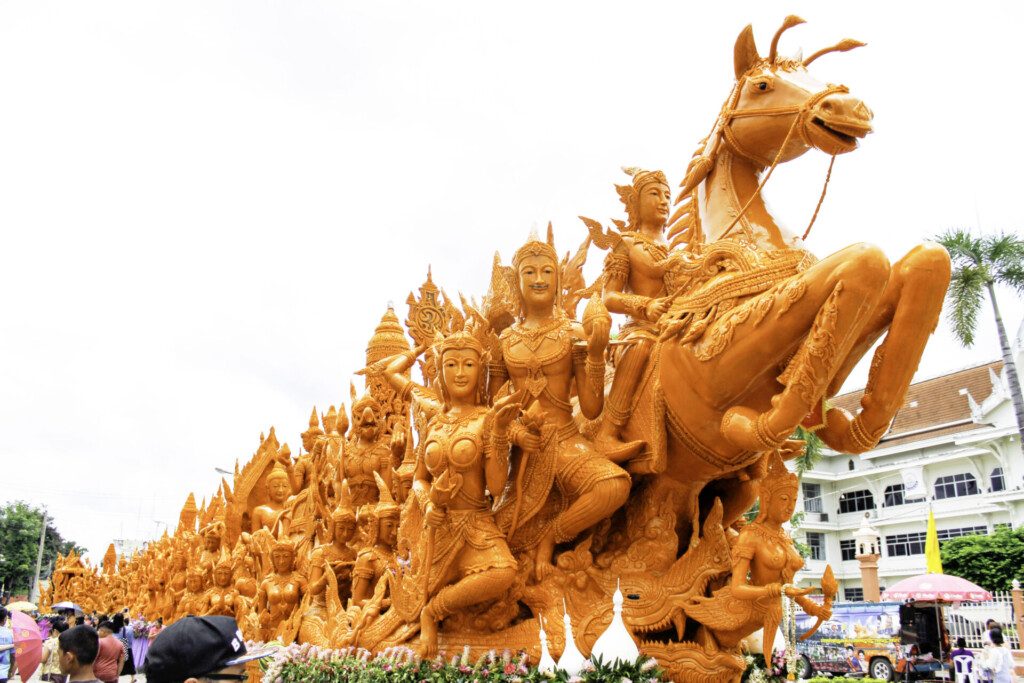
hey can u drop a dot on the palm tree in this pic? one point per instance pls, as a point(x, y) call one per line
point(979, 264)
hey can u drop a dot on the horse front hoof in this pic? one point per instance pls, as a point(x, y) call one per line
point(748, 429)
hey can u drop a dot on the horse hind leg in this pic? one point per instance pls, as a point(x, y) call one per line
point(921, 279)
point(837, 324)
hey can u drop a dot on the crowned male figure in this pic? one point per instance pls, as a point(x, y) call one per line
point(634, 285)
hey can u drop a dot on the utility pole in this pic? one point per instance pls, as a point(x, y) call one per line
point(34, 593)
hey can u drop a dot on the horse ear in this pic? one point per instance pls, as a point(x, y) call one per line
point(744, 54)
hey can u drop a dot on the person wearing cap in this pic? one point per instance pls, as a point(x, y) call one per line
point(196, 649)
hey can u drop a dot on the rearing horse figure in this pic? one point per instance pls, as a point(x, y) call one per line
point(762, 332)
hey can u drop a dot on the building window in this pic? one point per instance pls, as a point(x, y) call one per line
point(856, 501)
point(902, 545)
point(1001, 525)
point(816, 542)
point(956, 485)
point(812, 497)
point(893, 496)
point(997, 480)
point(853, 594)
point(946, 534)
point(850, 466)
point(849, 549)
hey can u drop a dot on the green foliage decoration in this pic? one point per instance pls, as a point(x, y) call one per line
point(311, 664)
point(19, 544)
point(992, 560)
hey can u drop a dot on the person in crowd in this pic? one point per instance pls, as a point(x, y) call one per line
point(77, 649)
point(7, 664)
point(110, 658)
point(961, 648)
point(140, 641)
point(50, 669)
point(997, 660)
point(985, 636)
point(123, 633)
point(197, 648)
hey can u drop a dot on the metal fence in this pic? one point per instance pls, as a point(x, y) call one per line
point(967, 620)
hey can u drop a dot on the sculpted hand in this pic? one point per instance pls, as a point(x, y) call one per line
point(398, 442)
point(434, 517)
point(597, 338)
point(820, 612)
point(526, 440)
point(794, 592)
point(656, 308)
point(791, 448)
point(507, 409)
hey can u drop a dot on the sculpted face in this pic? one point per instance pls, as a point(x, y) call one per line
point(404, 487)
point(389, 531)
point(538, 280)
point(308, 439)
point(278, 488)
point(367, 421)
point(212, 542)
point(344, 530)
point(194, 582)
point(222, 575)
point(781, 506)
point(461, 371)
point(282, 560)
point(654, 203)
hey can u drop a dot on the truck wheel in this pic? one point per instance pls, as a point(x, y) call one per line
point(804, 669)
point(881, 667)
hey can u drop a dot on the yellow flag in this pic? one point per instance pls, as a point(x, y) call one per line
point(931, 547)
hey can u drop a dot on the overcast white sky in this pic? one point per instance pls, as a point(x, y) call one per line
point(206, 206)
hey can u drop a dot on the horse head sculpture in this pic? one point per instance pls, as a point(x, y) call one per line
point(775, 112)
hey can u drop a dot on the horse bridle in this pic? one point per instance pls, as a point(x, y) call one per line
point(730, 112)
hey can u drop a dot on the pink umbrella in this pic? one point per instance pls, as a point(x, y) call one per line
point(28, 644)
point(936, 588)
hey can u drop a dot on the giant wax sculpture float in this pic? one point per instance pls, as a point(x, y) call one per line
point(532, 465)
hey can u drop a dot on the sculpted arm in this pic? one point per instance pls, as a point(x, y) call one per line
point(614, 294)
point(496, 454)
point(317, 572)
point(588, 368)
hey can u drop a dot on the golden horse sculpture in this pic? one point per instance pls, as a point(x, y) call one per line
point(523, 474)
point(759, 331)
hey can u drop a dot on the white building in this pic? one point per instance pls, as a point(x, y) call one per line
point(954, 445)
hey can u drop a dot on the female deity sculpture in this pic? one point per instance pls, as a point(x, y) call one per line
point(210, 554)
point(367, 451)
point(464, 456)
point(764, 563)
point(373, 560)
point(278, 490)
point(545, 354)
point(193, 600)
point(335, 558)
point(281, 592)
point(223, 598)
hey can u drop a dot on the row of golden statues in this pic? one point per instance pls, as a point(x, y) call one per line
point(539, 462)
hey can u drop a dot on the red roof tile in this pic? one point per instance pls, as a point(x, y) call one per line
point(931, 405)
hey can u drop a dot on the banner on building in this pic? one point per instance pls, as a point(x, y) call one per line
point(913, 483)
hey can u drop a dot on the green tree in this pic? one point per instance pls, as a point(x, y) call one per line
point(991, 561)
point(979, 264)
point(19, 545)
